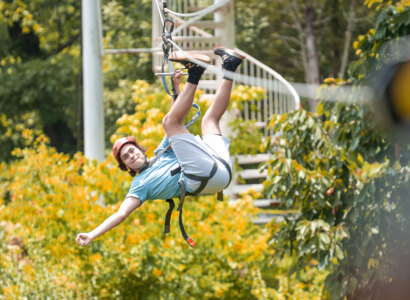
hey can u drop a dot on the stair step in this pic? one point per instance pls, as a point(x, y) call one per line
point(263, 219)
point(206, 96)
point(192, 8)
point(209, 51)
point(239, 188)
point(261, 124)
point(266, 218)
point(252, 174)
point(252, 159)
point(266, 203)
point(197, 39)
point(204, 24)
point(208, 84)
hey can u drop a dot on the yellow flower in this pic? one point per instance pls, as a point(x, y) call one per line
point(156, 272)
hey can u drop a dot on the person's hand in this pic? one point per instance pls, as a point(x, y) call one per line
point(176, 78)
point(83, 239)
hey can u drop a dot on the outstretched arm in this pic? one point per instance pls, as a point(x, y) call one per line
point(126, 208)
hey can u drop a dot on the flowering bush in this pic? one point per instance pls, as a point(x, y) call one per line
point(46, 198)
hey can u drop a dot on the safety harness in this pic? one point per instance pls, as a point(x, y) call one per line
point(203, 179)
point(168, 26)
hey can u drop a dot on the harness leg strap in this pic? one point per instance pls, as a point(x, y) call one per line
point(167, 226)
point(180, 205)
point(185, 236)
point(220, 196)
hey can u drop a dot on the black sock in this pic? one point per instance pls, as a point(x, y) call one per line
point(231, 66)
point(194, 74)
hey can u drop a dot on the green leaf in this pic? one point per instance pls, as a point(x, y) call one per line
point(319, 109)
point(324, 238)
point(339, 252)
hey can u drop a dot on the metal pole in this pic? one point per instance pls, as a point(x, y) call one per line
point(92, 82)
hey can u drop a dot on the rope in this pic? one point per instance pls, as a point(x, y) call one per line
point(159, 12)
point(201, 12)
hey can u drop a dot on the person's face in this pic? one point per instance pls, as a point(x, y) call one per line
point(132, 157)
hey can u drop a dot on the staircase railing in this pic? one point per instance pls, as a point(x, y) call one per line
point(279, 96)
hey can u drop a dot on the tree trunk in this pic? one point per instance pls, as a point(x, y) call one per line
point(348, 39)
point(335, 25)
point(312, 59)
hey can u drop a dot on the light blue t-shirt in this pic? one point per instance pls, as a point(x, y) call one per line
point(157, 182)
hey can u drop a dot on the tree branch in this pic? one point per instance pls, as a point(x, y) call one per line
point(67, 44)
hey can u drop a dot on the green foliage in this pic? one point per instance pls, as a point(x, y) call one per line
point(40, 64)
point(40, 67)
point(17, 133)
point(392, 22)
point(246, 136)
point(46, 198)
point(351, 194)
point(53, 197)
point(351, 185)
point(273, 32)
point(126, 24)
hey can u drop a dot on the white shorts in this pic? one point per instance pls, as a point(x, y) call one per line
point(195, 157)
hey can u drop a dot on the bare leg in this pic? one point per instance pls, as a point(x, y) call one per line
point(210, 122)
point(173, 122)
point(230, 62)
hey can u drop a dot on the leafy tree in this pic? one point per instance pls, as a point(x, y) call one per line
point(39, 66)
point(40, 69)
point(350, 182)
point(306, 41)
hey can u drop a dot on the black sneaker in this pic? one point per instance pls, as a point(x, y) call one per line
point(182, 58)
point(230, 58)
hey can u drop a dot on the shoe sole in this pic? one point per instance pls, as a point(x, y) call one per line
point(180, 56)
point(230, 52)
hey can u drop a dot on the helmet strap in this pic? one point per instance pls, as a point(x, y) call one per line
point(145, 166)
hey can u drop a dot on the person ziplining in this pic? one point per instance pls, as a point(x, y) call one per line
point(182, 163)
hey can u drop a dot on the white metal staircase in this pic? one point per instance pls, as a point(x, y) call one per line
point(217, 29)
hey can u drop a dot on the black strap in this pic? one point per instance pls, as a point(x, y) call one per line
point(185, 236)
point(180, 205)
point(202, 179)
point(227, 166)
point(167, 226)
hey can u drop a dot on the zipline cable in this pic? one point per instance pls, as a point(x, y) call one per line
point(159, 11)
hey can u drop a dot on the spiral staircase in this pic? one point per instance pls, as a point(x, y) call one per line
point(202, 33)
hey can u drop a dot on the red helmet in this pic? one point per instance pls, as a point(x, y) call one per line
point(116, 149)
